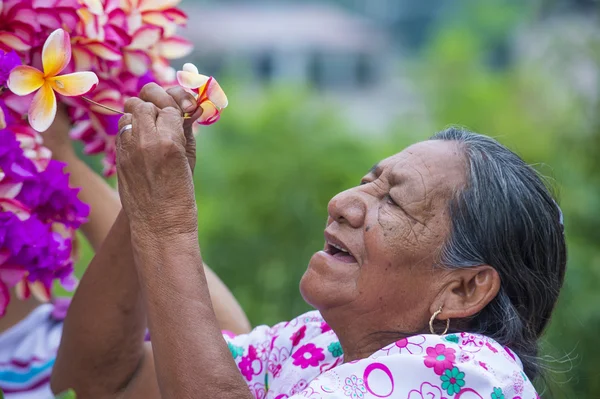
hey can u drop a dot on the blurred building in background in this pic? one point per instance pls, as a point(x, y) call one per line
point(318, 44)
point(357, 53)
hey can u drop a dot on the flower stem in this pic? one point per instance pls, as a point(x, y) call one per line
point(185, 116)
point(103, 106)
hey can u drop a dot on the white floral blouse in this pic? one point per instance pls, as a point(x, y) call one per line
point(303, 358)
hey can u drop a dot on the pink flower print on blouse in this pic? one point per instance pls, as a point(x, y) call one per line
point(308, 355)
point(276, 360)
point(325, 327)
point(262, 351)
point(440, 358)
point(354, 387)
point(518, 383)
point(491, 347)
point(250, 365)
point(510, 354)
point(426, 391)
point(299, 387)
point(412, 345)
point(298, 335)
point(471, 342)
point(258, 390)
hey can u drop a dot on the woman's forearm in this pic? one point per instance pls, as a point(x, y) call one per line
point(190, 356)
point(103, 335)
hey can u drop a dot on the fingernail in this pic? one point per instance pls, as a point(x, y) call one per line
point(187, 105)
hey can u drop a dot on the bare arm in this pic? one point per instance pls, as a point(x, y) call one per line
point(102, 347)
point(103, 200)
point(190, 356)
point(101, 344)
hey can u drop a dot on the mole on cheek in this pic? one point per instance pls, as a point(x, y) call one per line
point(368, 228)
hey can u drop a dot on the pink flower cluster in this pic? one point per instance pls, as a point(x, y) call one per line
point(126, 43)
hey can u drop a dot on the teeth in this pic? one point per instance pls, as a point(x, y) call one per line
point(338, 247)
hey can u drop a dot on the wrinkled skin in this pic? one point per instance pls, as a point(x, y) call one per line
point(394, 224)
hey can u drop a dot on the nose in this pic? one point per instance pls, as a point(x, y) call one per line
point(348, 207)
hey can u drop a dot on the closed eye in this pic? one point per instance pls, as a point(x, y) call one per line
point(391, 201)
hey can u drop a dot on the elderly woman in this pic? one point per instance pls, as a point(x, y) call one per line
point(439, 273)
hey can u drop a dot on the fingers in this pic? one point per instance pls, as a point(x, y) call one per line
point(185, 100)
point(156, 95)
point(144, 120)
point(131, 104)
point(123, 121)
point(188, 104)
point(169, 125)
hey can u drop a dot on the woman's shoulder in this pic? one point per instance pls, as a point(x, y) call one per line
point(306, 326)
point(461, 365)
point(456, 348)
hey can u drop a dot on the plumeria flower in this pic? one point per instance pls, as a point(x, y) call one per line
point(160, 13)
point(211, 97)
point(25, 79)
point(149, 47)
point(103, 20)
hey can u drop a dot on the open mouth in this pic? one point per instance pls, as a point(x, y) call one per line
point(339, 252)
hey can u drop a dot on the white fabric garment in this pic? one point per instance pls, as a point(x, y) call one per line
point(27, 355)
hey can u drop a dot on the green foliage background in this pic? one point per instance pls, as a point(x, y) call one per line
point(267, 170)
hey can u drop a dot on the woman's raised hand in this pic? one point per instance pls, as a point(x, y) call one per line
point(155, 158)
point(178, 98)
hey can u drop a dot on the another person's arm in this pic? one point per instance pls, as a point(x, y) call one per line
point(103, 200)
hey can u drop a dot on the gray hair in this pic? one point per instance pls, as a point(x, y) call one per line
point(505, 217)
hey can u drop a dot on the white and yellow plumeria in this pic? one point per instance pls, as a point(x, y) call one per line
point(24, 80)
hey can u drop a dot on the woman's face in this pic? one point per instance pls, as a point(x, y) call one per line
point(382, 238)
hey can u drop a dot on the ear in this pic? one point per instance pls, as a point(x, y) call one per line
point(467, 292)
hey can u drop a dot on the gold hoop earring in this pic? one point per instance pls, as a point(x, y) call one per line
point(437, 312)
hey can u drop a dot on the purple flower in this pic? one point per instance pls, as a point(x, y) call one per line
point(12, 160)
point(51, 198)
point(7, 62)
point(44, 254)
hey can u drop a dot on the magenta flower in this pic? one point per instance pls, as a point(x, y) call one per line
point(7, 62)
point(298, 335)
point(246, 365)
point(308, 356)
point(51, 198)
point(440, 358)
